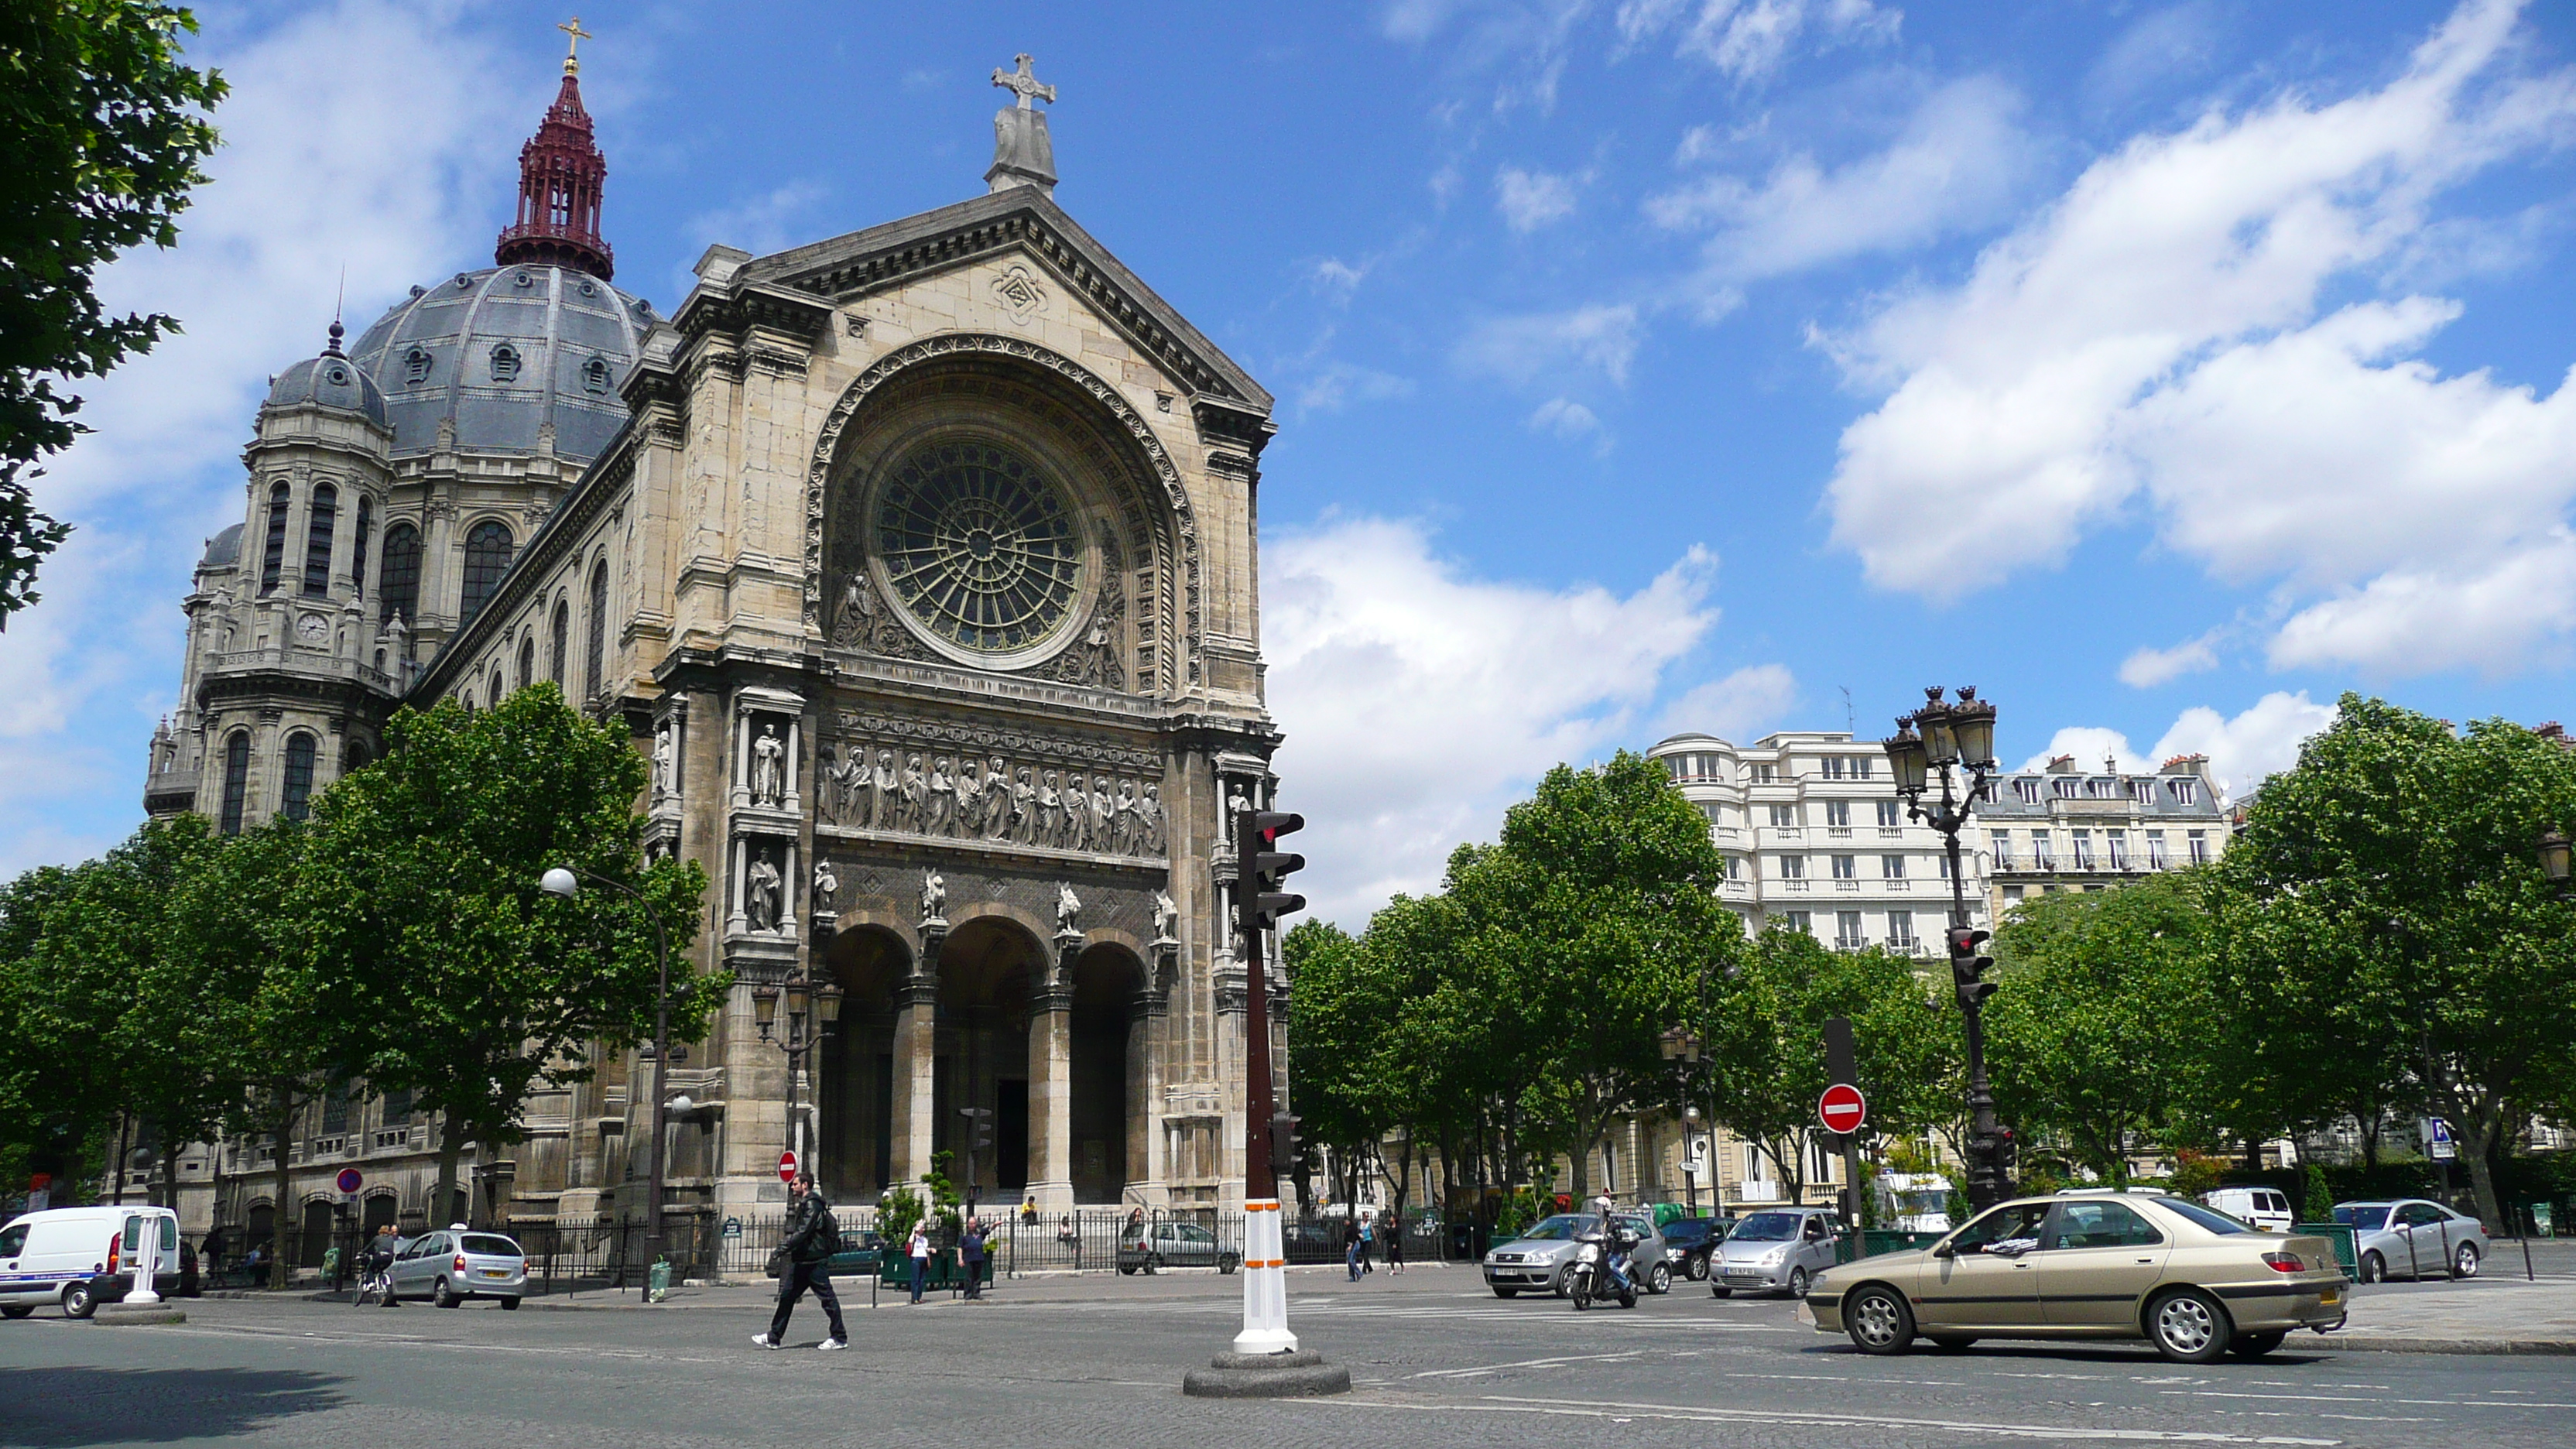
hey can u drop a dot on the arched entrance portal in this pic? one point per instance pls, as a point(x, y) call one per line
point(987, 971)
point(854, 1087)
point(1108, 1039)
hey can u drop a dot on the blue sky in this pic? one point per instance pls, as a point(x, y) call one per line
point(2165, 370)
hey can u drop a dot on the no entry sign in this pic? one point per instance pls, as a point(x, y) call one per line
point(1842, 1108)
point(787, 1165)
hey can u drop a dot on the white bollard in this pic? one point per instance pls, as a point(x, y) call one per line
point(1265, 1282)
point(147, 1261)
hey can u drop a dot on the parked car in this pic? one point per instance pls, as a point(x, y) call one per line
point(1689, 1241)
point(2413, 1237)
point(454, 1264)
point(1540, 1259)
point(2264, 1207)
point(2194, 1282)
point(80, 1257)
point(1776, 1250)
point(1152, 1247)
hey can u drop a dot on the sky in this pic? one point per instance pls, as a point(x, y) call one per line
point(2165, 370)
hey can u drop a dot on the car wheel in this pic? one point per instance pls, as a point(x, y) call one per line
point(2188, 1326)
point(2464, 1262)
point(1659, 1279)
point(510, 1305)
point(1698, 1270)
point(2255, 1345)
point(19, 1312)
point(1952, 1342)
point(1126, 1269)
point(1502, 1292)
point(1878, 1321)
point(1797, 1282)
point(444, 1296)
point(2374, 1269)
point(1564, 1283)
point(79, 1300)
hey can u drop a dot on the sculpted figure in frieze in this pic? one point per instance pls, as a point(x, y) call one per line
point(1099, 822)
point(913, 799)
point(1024, 809)
point(883, 801)
point(997, 800)
point(1122, 821)
point(1077, 814)
point(1050, 830)
point(1149, 822)
point(941, 814)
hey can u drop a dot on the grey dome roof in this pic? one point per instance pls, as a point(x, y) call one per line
point(503, 352)
point(331, 380)
point(222, 549)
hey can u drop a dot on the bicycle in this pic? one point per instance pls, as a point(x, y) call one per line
point(375, 1288)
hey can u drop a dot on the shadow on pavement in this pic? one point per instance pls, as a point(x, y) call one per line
point(71, 1406)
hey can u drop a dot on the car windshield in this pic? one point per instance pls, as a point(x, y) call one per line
point(1562, 1227)
point(2368, 1217)
point(1686, 1230)
point(490, 1246)
point(1766, 1228)
point(2213, 1220)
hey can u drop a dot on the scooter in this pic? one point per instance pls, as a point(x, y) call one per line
point(1602, 1269)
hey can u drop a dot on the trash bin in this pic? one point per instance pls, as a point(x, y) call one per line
point(658, 1281)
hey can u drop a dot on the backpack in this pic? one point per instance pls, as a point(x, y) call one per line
point(827, 1231)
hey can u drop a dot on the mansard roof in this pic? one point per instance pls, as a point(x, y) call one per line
point(1017, 217)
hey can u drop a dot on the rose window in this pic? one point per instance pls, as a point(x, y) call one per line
point(979, 547)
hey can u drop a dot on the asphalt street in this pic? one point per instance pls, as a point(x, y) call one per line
point(1436, 1360)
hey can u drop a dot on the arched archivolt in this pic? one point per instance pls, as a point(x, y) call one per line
point(1157, 529)
point(854, 1079)
point(868, 962)
point(991, 960)
point(1106, 1036)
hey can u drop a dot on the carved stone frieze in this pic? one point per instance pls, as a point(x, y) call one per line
point(866, 624)
point(1009, 789)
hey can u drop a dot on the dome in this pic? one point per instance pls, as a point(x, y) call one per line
point(222, 549)
point(502, 352)
point(330, 381)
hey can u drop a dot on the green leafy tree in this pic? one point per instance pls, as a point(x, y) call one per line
point(57, 1090)
point(2390, 885)
point(2100, 1030)
point(104, 129)
point(420, 901)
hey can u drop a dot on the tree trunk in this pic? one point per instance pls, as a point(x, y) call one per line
point(281, 1212)
point(451, 1145)
point(2476, 1142)
point(2369, 1138)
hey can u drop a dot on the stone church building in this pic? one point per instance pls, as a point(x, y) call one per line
point(922, 562)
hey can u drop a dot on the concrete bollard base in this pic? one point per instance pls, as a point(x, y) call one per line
point(138, 1313)
point(1297, 1375)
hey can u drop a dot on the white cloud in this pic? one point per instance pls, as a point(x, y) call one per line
point(2148, 668)
point(1339, 384)
point(1531, 348)
point(1740, 707)
point(2156, 336)
point(1418, 701)
point(1954, 166)
point(1566, 418)
point(2261, 741)
point(1529, 200)
point(1751, 40)
point(760, 224)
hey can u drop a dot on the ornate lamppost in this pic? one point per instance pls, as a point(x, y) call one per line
point(1681, 1044)
point(805, 1001)
point(1959, 737)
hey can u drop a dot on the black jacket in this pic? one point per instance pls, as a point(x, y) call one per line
point(809, 1229)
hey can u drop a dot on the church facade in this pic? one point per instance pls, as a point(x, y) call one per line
point(922, 562)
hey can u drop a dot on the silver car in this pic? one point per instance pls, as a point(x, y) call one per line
point(1541, 1258)
point(455, 1264)
point(2414, 1237)
point(1776, 1250)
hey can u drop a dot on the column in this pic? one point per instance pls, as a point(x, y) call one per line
point(916, 1061)
point(1143, 1026)
point(1051, 1078)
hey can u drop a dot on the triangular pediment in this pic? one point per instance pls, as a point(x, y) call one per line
point(1023, 220)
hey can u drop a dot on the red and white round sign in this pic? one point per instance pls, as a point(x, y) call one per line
point(787, 1166)
point(1842, 1108)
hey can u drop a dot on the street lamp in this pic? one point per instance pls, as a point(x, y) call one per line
point(1943, 737)
point(2554, 858)
point(565, 881)
point(804, 999)
point(1681, 1044)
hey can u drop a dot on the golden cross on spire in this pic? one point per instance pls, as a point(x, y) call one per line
point(572, 52)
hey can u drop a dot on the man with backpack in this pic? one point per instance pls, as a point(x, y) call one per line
point(805, 1261)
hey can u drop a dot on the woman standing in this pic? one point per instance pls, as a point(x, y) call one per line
point(920, 1249)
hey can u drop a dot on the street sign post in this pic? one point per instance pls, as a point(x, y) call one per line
point(350, 1180)
point(1842, 1108)
point(787, 1165)
point(2438, 1142)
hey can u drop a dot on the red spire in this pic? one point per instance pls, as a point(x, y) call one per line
point(561, 176)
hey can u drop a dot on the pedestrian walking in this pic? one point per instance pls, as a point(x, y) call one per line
point(970, 1252)
point(213, 1253)
point(1395, 1248)
point(1368, 1238)
point(1351, 1249)
point(805, 1261)
point(919, 1248)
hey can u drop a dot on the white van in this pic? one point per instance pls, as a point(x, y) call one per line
point(2264, 1207)
point(78, 1257)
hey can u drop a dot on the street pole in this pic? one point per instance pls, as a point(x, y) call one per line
point(1986, 1186)
point(1265, 1279)
point(562, 881)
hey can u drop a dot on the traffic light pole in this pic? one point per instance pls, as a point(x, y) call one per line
point(1986, 1185)
point(1265, 1277)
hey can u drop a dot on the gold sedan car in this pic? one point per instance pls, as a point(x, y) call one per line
point(2195, 1283)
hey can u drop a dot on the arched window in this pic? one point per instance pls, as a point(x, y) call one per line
point(498, 689)
point(592, 677)
point(594, 375)
point(272, 559)
point(415, 367)
point(487, 556)
point(468, 701)
point(402, 575)
point(366, 523)
point(322, 518)
point(295, 797)
point(354, 757)
point(505, 363)
point(559, 639)
point(236, 780)
point(527, 661)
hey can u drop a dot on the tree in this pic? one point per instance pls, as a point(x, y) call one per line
point(1769, 1045)
point(2390, 883)
point(2099, 1030)
point(56, 1089)
point(104, 128)
point(420, 902)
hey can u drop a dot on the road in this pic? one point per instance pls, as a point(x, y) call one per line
point(1436, 1361)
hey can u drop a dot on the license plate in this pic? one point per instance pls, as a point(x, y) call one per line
point(2332, 1296)
point(495, 1273)
point(1743, 1272)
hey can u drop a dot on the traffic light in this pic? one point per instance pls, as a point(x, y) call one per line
point(979, 1128)
point(1968, 963)
point(1266, 870)
point(1283, 1144)
point(2007, 1150)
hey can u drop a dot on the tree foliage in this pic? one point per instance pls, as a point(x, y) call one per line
point(104, 128)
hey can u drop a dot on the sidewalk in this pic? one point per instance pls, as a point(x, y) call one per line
point(2495, 1314)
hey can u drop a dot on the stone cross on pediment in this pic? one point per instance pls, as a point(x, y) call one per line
point(1023, 83)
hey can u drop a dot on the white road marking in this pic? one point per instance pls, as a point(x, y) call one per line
point(1580, 1408)
point(1530, 1363)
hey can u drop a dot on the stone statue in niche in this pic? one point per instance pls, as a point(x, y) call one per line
point(934, 898)
point(1050, 823)
point(760, 890)
point(1068, 910)
point(941, 795)
point(1122, 820)
point(997, 800)
point(1166, 916)
point(845, 784)
point(1149, 823)
point(1077, 814)
point(768, 766)
point(666, 756)
point(881, 795)
point(912, 798)
point(1024, 808)
point(826, 885)
point(1099, 812)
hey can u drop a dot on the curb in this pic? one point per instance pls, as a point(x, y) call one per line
point(2526, 1347)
